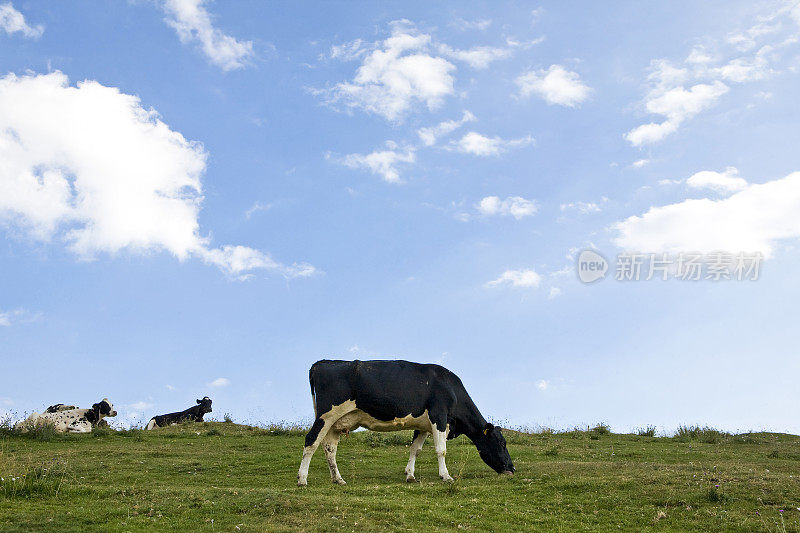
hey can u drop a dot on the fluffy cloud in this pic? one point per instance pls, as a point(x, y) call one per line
point(727, 181)
point(667, 95)
point(430, 135)
point(348, 51)
point(477, 24)
point(542, 385)
point(220, 382)
point(192, 22)
point(517, 278)
point(384, 163)
point(741, 70)
point(556, 85)
point(17, 316)
point(478, 57)
point(400, 73)
point(584, 207)
point(481, 145)
point(12, 21)
point(5, 318)
point(514, 206)
point(88, 165)
point(677, 105)
point(754, 219)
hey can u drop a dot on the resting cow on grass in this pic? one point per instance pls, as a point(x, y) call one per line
point(192, 414)
point(68, 418)
point(392, 396)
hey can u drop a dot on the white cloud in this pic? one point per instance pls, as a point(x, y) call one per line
point(478, 57)
point(667, 95)
point(430, 135)
point(192, 22)
point(89, 166)
point(481, 145)
point(726, 181)
point(542, 384)
point(517, 278)
point(515, 206)
point(584, 207)
point(255, 208)
point(349, 51)
point(556, 85)
point(639, 163)
point(384, 163)
point(170, 387)
point(399, 74)
point(220, 382)
point(17, 316)
point(754, 219)
point(555, 292)
point(140, 406)
point(12, 21)
point(477, 24)
point(677, 105)
point(741, 70)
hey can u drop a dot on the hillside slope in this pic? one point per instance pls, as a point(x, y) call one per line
point(228, 477)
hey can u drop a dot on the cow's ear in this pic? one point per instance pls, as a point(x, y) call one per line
point(96, 406)
point(487, 428)
point(198, 401)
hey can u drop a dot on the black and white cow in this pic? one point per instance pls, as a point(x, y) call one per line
point(69, 419)
point(192, 414)
point(392, 396)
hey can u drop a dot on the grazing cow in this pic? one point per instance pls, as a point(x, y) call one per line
point(69, 419)
point(392, 396)
point(192, 414)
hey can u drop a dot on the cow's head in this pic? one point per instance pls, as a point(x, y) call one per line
point(493, 451)
point(205, 404)
point(104, 408)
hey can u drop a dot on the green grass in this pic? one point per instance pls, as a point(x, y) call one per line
point(227, 477)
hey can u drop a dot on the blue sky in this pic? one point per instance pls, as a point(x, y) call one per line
point(203, 198)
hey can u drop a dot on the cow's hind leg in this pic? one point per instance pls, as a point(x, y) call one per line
point(416, 446)
point(313, 439)
point(330, 444)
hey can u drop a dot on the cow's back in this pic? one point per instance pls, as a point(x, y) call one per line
point(384, 389)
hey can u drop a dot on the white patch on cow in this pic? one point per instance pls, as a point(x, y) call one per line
point(151, 424)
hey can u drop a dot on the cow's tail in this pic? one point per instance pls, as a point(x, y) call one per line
point(151, 424)
point(313, 394)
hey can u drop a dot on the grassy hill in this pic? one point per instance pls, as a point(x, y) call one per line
point(226, 477)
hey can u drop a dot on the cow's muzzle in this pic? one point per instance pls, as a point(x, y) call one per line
point(507, 473)
point(112, 413)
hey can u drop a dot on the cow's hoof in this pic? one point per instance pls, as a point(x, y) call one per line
point(339, 481)
point(302, 483)
point(446, 478)
point(411, 479)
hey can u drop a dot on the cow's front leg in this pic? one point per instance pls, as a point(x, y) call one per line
point(416, 446)
point(330, 444)
point(440, 443)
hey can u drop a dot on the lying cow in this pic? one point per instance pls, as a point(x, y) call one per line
point(392, 396)
point(69, 419)
point(192, 414)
